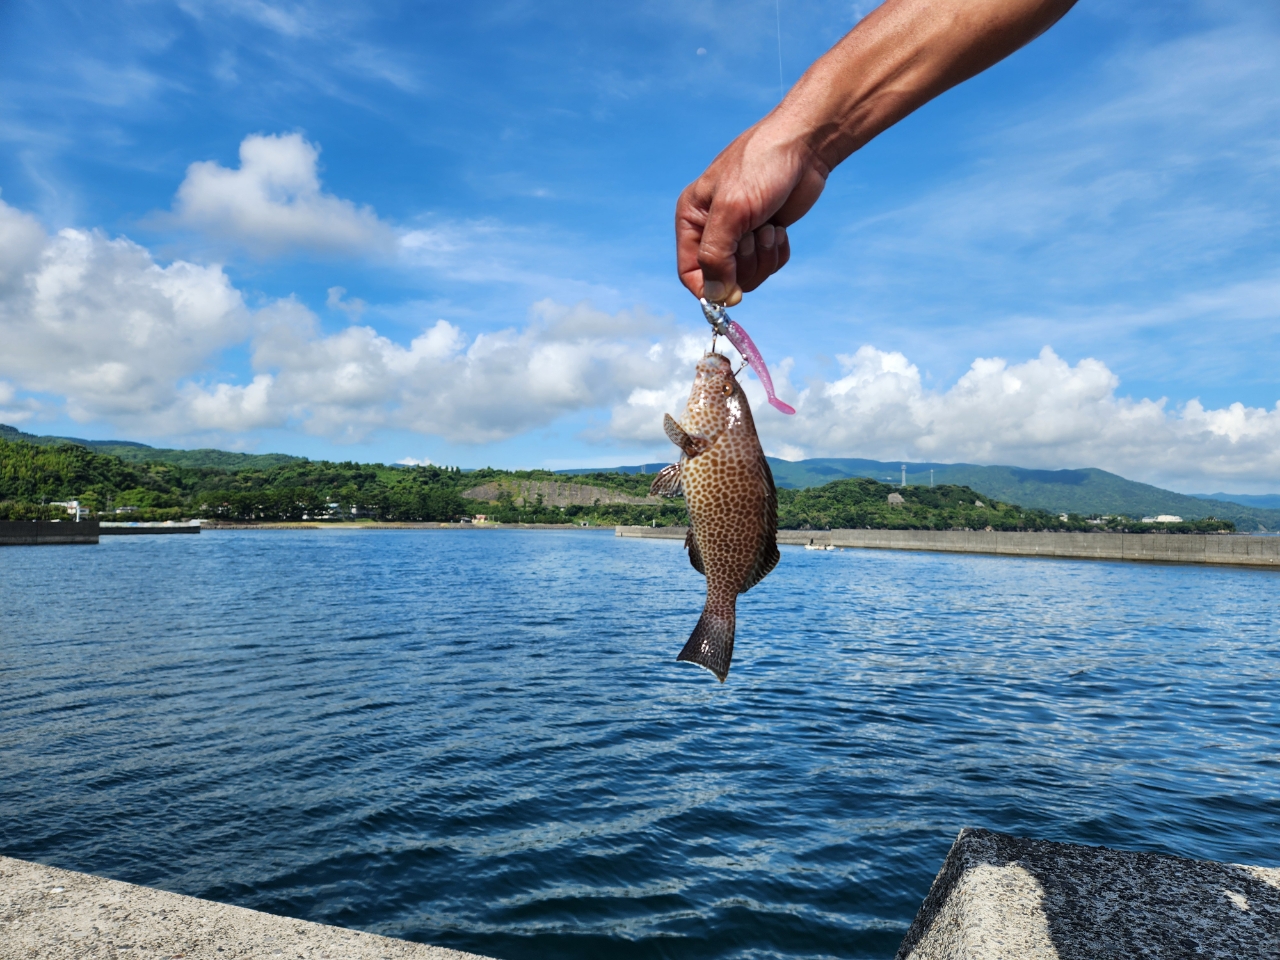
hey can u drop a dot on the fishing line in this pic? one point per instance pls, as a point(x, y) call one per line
point(777, 11)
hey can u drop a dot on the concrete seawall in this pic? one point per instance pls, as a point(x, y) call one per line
point(57, 914)
point(1000, 897)
point(997, 897)
point(28, 533)
point(1150, 547)
point(112, 529)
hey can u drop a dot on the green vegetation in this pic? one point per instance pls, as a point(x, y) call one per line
point(34, 475)
point(140, 453)
point(862, 502)
point(1086, 492)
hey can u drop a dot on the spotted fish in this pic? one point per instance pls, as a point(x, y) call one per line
point(733, 504)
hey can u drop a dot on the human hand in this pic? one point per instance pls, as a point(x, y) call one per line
point(731, 222)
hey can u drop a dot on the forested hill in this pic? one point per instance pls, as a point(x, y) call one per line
point(32, 476)
point(1086, 492)
point(132, 452)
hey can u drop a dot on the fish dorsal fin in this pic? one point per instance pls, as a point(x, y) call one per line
point(768, 556)
point(691, 445)
point(667, 483)
point(695, 555)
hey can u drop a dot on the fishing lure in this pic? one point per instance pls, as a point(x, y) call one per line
point(731, 330)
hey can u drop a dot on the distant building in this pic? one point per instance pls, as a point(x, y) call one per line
point(482, 518)
point(979, 503)
point(1163, 518)
point(895, 500)
point(72, 507)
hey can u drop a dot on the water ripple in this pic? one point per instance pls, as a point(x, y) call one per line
point(481, 740)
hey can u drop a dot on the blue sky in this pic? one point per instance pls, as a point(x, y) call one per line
point(492, 187)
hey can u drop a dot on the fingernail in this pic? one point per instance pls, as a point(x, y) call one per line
point(747, 245)
point(713, 290)
point(734, 298)
point(764, 236)
point(779, 235)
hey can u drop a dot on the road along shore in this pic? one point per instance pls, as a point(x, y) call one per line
point(1210, 548)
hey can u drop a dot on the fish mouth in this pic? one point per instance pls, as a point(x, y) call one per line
point(715, 363)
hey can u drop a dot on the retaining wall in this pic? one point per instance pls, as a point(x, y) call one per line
point(28, 533)
point(1236, 550)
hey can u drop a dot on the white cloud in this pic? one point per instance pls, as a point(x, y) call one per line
point(98, 322)
point(15, 409)
point(414, 461)
point(1042, 412)
point(492, 386)
point(273, 203)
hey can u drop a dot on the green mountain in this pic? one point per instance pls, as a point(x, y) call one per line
point(132, 452)
point(1268, 501)
point(1086, 492)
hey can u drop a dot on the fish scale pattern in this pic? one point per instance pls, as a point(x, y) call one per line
point(733, 505)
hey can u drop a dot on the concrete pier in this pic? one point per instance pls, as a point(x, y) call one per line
point(28, 533)
point(1234, 550)
point(111, 529)
point(54, 914)
point(1000, 897)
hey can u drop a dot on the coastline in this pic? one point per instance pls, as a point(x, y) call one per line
point(1202, 548)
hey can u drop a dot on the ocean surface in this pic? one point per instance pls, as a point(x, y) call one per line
point(481, 739)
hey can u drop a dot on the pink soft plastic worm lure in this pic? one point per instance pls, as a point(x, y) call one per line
point(718, 317)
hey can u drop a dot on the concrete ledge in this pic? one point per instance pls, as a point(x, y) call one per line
point(29, 533)
point(114, 529)
point(999, 897)
point(1151, 547)
point(54, 914)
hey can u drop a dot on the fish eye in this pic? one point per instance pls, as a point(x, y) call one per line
point(728, 389)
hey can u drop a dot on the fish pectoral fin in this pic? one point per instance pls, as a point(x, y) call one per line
point(711, 644)
point(695, 555)
point(667, 482)
point(691, 445)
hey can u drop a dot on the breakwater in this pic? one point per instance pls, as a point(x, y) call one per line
point(57, 914)
point(997, 897)
point(111, 529)
point(1233, 550)
point(1000, 897)
point(28, 533)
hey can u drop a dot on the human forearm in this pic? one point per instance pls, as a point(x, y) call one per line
point(898, 58)
point(901, 56)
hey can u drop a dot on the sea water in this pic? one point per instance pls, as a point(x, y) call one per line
point(481, 739)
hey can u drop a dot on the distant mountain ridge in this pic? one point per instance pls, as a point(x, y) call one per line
point(1084, 491)
point(133, 452)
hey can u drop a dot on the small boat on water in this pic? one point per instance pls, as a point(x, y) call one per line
point(818, 546)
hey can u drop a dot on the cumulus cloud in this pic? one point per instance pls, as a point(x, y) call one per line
point(1043, 412)
point(273, 203)
point(492, 386)
point(99, 322)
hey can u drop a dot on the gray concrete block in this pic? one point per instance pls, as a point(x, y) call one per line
point(55, 914)
point(1000, 897)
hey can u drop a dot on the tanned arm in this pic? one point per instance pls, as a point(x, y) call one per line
point(731, 222)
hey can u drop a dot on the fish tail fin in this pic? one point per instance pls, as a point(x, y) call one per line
point(711, 643)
